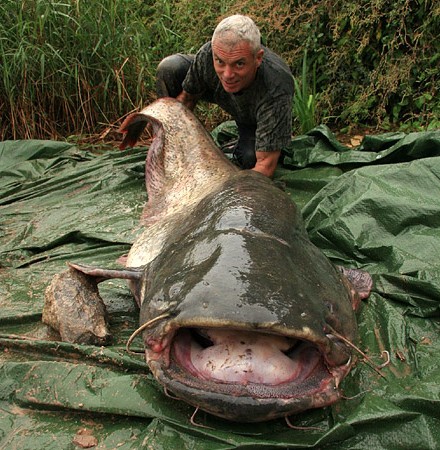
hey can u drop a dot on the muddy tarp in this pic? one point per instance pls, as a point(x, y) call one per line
point(376, 207)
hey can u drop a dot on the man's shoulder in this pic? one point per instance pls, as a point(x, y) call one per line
point(273, 58)
point(203, 63)
point(205, 51)
point(276, 73)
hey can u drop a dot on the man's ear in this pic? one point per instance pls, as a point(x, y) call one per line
point(259, 57)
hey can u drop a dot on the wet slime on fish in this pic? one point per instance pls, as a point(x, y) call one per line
point(242, 311)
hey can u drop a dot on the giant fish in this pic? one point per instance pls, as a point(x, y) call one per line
point(241, 315)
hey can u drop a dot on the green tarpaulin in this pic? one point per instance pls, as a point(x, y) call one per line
point(376, 207)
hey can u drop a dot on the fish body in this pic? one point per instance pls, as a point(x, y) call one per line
point(244, 317)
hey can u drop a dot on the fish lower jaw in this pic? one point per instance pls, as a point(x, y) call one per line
point(255, 378)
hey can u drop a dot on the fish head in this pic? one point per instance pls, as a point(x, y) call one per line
point(242, 314)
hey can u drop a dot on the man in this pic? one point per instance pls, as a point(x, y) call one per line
point(244, 78)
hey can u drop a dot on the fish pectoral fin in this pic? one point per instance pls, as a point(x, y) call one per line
point(102, 274)
point(133, 126)
point(359, 279)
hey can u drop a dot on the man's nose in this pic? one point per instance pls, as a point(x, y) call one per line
point(228, 72)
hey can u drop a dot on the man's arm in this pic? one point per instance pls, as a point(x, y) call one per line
point(189, 100)
point(266, 162)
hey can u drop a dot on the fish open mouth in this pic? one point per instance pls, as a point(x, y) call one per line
point(247, 375)
point(242, 357)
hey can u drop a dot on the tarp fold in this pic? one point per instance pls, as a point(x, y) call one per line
point(375, 207)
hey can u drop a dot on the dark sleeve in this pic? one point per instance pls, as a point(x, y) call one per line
point(274, 124)
point(196, 81)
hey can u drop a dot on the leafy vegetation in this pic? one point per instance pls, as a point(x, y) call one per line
point(304, 101)
point(71, 67)
point(67, 66)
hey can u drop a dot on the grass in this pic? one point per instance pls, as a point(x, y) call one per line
point(76, 67)
point(67, 66)
point(304, 101)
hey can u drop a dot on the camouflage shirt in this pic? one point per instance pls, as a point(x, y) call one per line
point(266, 105)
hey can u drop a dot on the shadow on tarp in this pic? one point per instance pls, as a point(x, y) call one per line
point(375, 207)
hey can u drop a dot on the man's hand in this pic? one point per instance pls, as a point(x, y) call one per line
point(188, 100)
point(267, 162)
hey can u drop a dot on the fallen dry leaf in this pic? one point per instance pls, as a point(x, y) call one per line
point(356, 140)
point(85, 439)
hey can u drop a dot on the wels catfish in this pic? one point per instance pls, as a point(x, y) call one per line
point(241, 315)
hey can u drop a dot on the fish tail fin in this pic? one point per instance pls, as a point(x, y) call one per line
point(132, 127)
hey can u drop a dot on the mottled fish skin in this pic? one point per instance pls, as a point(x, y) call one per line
point(227, 280)
point(224, 248)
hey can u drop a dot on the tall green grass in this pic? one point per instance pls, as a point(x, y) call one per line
point(304, 100)
point(77, 66)
point(68, 66)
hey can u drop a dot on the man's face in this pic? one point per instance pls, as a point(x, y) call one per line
point(236, 65)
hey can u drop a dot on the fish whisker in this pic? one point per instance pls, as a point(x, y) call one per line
point(167, 393)
point(142, 328)
point(368, 360)
point(356, 396)
point(193, 422)
point(387, 361)
point(295, 427)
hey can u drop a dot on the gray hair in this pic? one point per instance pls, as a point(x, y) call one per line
point(238, 28)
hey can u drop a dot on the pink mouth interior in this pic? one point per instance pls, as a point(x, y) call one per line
point(242, 357)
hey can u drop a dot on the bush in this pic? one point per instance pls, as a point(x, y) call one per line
point(67, 66)
point(70, 67)
point(376, 62)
